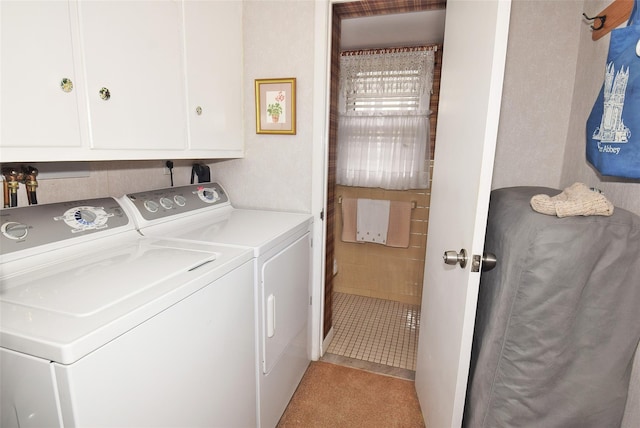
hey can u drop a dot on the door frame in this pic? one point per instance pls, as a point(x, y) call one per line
point(324, 27)
point(321, 94)
point(456, 388)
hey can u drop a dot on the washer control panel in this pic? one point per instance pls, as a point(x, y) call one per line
point(163, 203)
point(28, 227)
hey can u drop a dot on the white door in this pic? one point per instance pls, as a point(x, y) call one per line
point(475, 44)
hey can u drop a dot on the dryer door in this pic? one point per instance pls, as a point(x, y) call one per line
point(285, 303)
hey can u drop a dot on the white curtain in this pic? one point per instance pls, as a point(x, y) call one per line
point(383, 124)
point(384, 151)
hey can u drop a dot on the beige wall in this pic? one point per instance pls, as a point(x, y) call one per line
point(553, 74)
point(276, 172)
point(538, 87)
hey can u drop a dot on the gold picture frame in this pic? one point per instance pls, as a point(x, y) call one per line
point(276, 106)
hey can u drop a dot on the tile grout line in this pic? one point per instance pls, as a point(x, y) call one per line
point(375, 330)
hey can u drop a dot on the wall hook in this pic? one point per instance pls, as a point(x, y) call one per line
point(602, 19)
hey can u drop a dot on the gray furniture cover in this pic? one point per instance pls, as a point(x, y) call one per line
point(558, 319)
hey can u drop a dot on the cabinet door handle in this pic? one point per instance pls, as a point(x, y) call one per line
point(105, 94)
point(66, 84)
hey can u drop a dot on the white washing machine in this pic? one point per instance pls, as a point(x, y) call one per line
point(281, 244)
point(101, 327)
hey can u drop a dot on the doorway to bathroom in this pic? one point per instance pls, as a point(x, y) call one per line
point(373, 292)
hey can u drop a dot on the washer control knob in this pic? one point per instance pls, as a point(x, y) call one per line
point(14, 230)
point(180, 200)
point(85, 216)
point(80, 219)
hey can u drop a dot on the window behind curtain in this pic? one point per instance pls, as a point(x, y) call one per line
point(383, 127)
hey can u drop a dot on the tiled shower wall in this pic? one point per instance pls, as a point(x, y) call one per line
point(375, 270)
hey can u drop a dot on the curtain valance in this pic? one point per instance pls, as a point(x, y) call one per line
point(387, 71)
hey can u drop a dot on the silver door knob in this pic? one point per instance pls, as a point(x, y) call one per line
point(452, 257)
point(489, 261)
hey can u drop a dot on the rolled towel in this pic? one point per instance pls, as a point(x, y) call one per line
point(546, 204)
point(577, 199)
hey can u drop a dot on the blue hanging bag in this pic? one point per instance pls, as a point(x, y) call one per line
point(613, 127)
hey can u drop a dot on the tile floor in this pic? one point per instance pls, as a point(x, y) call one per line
point(379, 331)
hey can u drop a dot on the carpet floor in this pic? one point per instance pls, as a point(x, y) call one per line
point(333, 396)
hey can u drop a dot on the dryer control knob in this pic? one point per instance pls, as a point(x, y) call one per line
point(166, 203)
point(208, 195)
point(151, 206)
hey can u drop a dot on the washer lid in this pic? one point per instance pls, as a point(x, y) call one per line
point(66, 309)
point(261, 230)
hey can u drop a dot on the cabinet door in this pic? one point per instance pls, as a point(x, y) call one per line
point(134, 50)
point(36, 54)
point(213, 31)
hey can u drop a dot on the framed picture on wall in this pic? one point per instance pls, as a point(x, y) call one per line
point(276, 106)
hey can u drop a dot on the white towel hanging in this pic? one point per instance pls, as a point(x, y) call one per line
point(372, 220)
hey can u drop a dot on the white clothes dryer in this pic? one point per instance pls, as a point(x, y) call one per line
point(102, 327)
point(281, 244)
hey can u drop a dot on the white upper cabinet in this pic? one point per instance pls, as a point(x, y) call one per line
point(151, 80)
point(133, 49)
point(36, 54)
point(213, 32)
